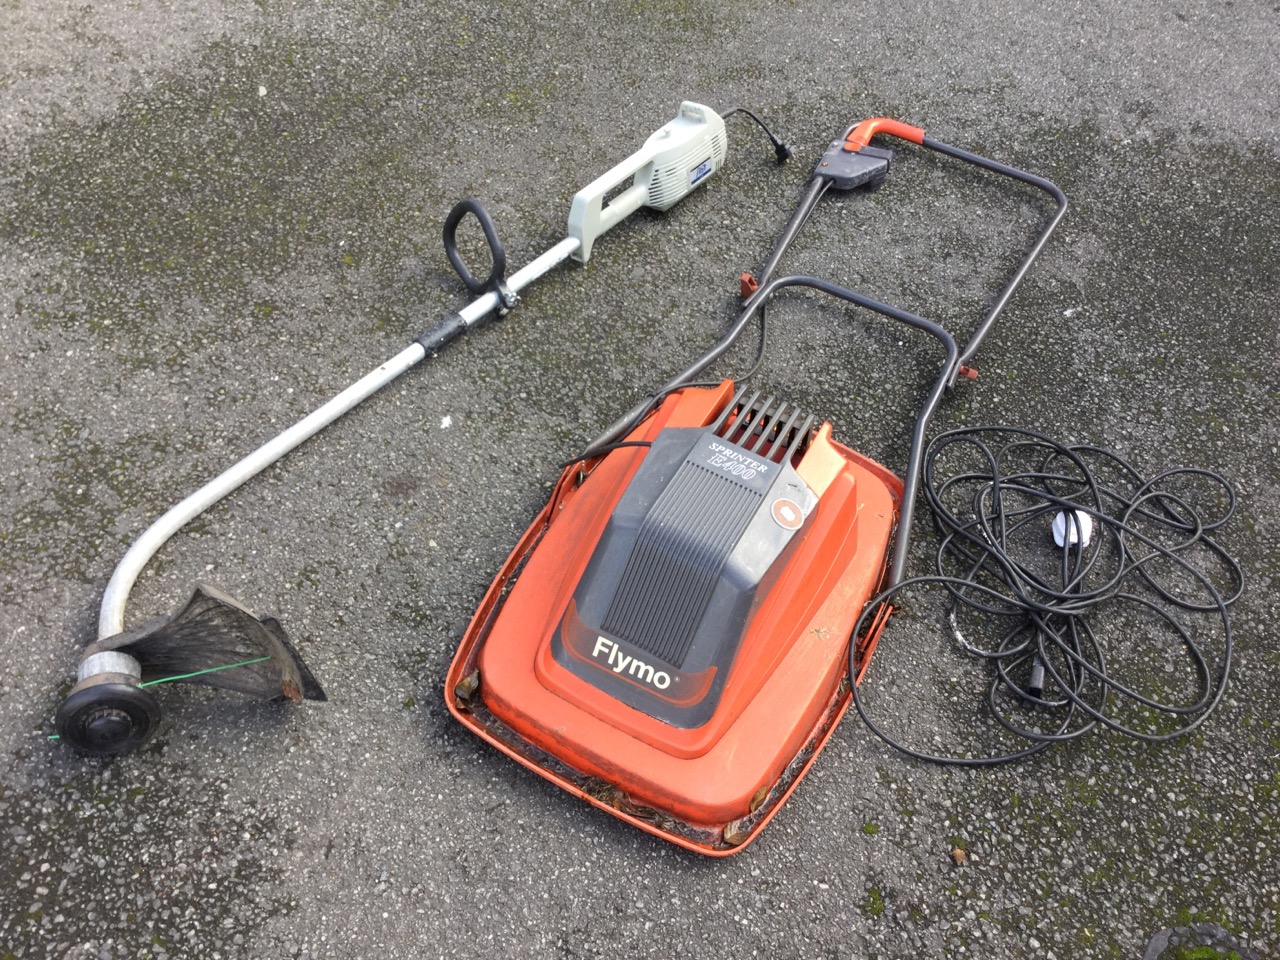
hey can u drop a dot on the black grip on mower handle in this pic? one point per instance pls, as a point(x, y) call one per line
point(499, 271)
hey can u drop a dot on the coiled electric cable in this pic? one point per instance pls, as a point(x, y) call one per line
point(1122, 546)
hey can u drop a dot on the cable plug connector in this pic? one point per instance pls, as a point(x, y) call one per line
point(1069, 530)
point(781, 150)
point(1035, 680)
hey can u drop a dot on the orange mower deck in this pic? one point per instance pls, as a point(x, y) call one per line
point(524, 682)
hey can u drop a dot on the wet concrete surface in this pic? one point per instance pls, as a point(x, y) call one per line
point(215, 216)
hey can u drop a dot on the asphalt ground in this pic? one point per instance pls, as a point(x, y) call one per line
point(215, 216)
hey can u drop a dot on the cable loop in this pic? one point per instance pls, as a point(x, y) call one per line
point(1150, 568)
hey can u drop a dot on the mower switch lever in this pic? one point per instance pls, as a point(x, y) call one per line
point(847, 170)
point(860, 135)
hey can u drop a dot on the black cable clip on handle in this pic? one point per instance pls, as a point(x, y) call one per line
point(453, 325)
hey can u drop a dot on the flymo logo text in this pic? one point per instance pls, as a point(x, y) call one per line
point(623, 663)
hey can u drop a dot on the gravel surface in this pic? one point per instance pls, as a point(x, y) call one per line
point(214, 216)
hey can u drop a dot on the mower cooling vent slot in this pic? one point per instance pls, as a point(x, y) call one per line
point(771, 428)
point(676, 562)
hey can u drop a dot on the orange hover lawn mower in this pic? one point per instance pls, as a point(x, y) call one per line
point(670, 640)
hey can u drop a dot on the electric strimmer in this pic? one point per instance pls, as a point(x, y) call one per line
point(212, 639)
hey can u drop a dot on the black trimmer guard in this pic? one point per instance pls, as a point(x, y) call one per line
point(110, 710)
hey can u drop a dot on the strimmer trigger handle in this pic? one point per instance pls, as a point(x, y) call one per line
point(673, 161)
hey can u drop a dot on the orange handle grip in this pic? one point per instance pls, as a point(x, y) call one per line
point(861, 135)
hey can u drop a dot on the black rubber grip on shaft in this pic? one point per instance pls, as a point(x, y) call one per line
point(444, 333)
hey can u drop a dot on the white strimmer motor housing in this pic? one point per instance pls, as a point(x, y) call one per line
point(673, 161)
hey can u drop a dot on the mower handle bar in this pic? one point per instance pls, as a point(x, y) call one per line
point(858, 136)
point(1040, 183)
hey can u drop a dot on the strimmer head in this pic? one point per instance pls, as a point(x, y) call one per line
point(669, 640)
point(110, 711)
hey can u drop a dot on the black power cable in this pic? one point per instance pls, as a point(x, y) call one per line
point(1123, 545)
point(782, 151)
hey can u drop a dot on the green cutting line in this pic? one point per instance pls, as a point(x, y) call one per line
point(188, 676)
